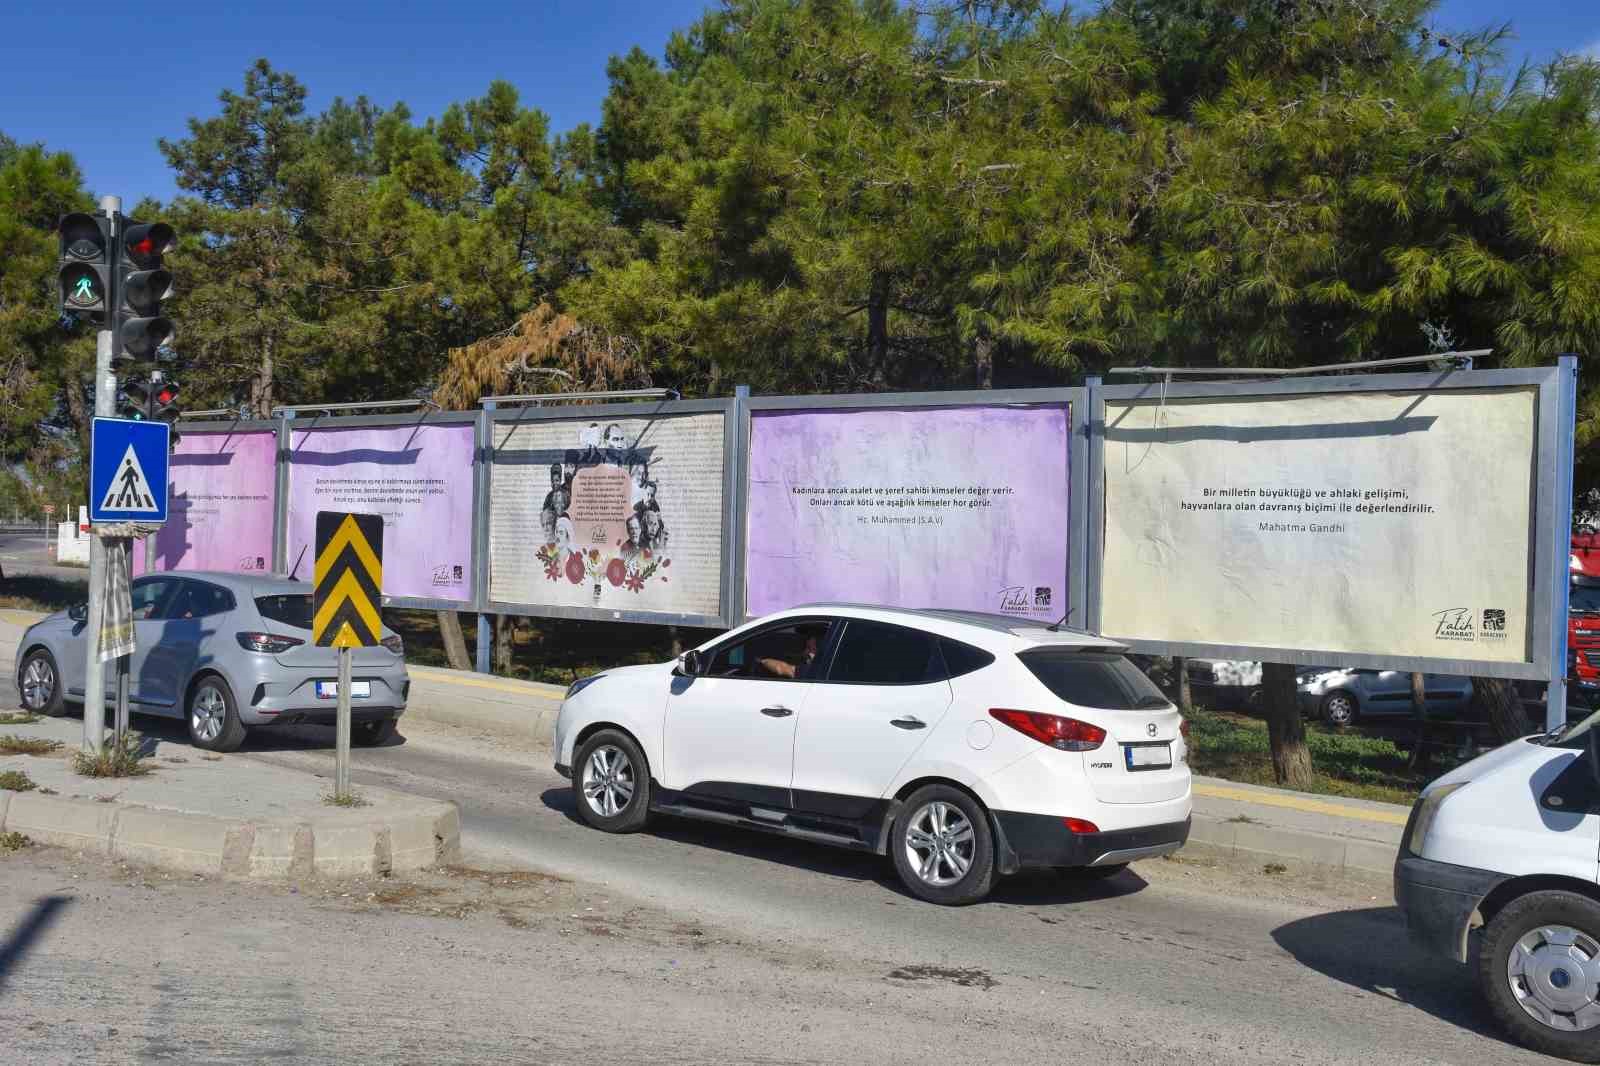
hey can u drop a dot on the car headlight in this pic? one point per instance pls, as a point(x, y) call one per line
point(581, 684)
point(1427, 810)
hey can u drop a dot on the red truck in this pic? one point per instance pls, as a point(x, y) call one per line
point(1583, 615)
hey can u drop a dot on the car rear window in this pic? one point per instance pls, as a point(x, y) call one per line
point(290, 610)
point(873, 653)
point(962, 658)
point(1094, 679)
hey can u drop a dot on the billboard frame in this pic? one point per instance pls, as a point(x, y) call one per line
point(495, 418)
point(1075, 397)
point(1555, 391)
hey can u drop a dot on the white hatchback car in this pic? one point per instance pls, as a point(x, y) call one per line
point(961, 745)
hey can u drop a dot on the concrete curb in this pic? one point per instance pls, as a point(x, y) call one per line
point(339, 844)
point(523, 709)
point(1232, 841)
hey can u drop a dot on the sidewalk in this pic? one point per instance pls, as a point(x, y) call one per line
point(227, 815)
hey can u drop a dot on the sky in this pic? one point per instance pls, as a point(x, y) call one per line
point(425, 54)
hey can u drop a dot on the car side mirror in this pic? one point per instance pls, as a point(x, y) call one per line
point(1593, 737)
point(78, 612)
point(691, 663)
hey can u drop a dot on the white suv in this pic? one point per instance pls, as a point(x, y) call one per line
point(962, 745)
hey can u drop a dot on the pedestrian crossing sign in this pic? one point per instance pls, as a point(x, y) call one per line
point(128, 471)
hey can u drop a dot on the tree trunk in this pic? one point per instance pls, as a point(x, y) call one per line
point(983, 359)
point(878, 331)
point(1419, 711)
point(1496, 699)
point(261, 388)
point(677, 641)
point(455, 645)
point(1291, 759)
point(502, 644)
point(1185, 693)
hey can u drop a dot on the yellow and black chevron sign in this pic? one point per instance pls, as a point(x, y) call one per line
point(349, 581)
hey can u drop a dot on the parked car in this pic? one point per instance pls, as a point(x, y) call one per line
point(227, 653)
point(1496, 869)
point(1342, 696)
point(1225, 682)
point(960, 745)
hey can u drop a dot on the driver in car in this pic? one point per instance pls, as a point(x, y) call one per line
point(777, 667)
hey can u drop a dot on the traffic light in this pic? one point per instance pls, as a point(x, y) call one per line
point(133, 397)
point(84, 268)
point(142, 284)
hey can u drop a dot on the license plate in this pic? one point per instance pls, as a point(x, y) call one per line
point(1149, 756)
point(329, 690)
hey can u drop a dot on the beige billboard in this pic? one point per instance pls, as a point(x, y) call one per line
point(1381, 523)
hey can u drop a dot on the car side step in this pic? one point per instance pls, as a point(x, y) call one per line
point(783, 828)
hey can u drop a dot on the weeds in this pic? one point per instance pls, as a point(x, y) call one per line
point(1242, 819)
point(11, 744)
point(39, 592)
point(18, 718)
point(1273, 869)
point(345, 799)
point(124, 758)
point(16, 781)
point(13, 842)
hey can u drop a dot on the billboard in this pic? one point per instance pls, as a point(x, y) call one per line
point(612, 514)
point(1386, 523)
point(220, 495)
point(956, 507)
point(418, 477)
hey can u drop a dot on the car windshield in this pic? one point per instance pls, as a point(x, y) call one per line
point(1094, 679)
point(1584, 599)
point(290, 610)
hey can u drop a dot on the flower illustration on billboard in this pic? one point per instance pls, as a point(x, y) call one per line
point(600, 520)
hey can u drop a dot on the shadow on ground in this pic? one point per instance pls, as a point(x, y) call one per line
point(1029, 888)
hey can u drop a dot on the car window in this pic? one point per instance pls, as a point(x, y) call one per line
point(150, 597)
point(293, 609)
point(199, 599)
point(873, 653)
point(785, 653)
point(1094, 679)
point(962, 658)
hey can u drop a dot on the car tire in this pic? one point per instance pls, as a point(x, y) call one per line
point(611, 783)
point(1339, 709)
point(1555, 939)
point(942, 847)
point(373, 734)
point(39, 684)
point(212, 716)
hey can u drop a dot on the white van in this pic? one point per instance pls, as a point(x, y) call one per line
point(1498, 867)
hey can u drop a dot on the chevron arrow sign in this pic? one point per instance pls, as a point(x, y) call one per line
point(349, 581)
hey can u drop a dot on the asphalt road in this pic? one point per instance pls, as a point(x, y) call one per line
point(29, 553)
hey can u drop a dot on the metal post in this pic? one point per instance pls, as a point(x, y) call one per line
point(94, 682)
point(341, 765)
point(280, 499)
point(482, 486)
point(1092, 527)
point(122, 699)
point(1555, 706)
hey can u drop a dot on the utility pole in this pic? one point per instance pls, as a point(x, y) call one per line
point(105, 399)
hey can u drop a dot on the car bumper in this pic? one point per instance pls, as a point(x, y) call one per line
point(1438, 900)
point(1033, 840)
point(274, 694)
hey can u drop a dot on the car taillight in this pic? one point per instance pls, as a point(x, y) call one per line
point(395, 644)
point(267, 643)
point(1079, 825)
point(1063, 734)
point(1183, 728)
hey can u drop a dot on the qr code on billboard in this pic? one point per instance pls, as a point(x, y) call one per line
point(1494, 620)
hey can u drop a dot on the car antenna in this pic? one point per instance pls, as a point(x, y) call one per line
point(1055, 627)
point(297, 561)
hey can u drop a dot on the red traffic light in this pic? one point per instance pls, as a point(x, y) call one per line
point(166, 394)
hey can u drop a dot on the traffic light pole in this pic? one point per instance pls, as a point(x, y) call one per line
point(94, 686)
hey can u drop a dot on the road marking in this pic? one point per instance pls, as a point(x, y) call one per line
point(493, 685)
point(1298, 803)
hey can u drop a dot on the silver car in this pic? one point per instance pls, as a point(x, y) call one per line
point(225, 652)
point(1340, 697)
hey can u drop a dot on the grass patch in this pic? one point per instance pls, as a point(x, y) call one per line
point(18, 718)
point(41, 592)
point(555, 651)
point(16, 781)
point(11, 744)
point(1345, 763)
point(13, 842)
point(1273, 869)
point(124, 759)
point(346, 799)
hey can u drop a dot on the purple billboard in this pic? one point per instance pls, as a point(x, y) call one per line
point(419, 478)
point(957, 507)
point(220, 505)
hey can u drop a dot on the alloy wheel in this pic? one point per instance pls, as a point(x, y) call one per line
point(940, 843)
point(38, 684)
point(608, 781)
point(209, 713)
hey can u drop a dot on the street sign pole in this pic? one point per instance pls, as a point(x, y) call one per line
point(341, 764)
point(105, 399)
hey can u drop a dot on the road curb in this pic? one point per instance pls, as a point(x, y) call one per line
point(525, 710)
point(1234, 841)
point(341, 844)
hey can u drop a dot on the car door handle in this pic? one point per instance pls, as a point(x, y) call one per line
point(908, 722)
point(776, 712)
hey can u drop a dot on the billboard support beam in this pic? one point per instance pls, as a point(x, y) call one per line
point(1555, 704)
